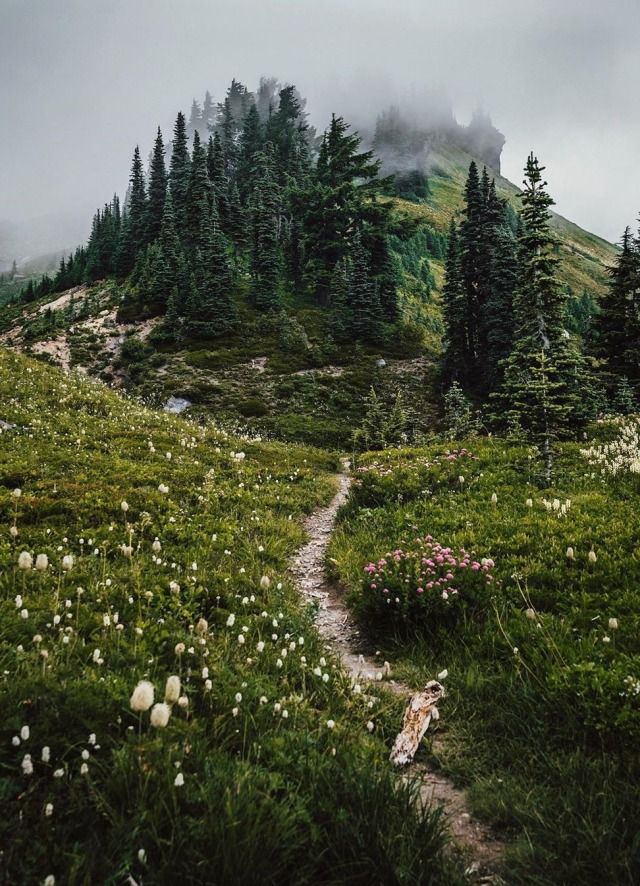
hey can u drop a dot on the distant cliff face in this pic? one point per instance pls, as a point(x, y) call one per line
point(404, 141)
point(481, 139)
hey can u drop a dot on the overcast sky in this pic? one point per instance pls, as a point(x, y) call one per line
point(81, 81)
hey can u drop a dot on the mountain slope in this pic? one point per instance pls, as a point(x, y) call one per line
point(283, 375)
point(585, 257)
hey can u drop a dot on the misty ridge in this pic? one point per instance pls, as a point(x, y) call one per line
point(403, 136)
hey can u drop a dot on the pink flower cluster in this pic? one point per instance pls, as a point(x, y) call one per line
point(429, 567)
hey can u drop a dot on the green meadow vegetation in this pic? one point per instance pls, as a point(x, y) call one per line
point(542, 717)
point(169, 712)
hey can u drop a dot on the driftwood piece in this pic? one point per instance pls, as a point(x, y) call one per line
point(6, 426)
point(419, 712)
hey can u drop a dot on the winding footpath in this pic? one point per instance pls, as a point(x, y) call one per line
point(338, 628)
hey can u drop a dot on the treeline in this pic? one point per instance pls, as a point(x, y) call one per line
point(261, 207)
point(508, 346)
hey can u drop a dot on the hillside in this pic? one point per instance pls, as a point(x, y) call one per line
point(162, 552)
point(584, 256)
point(284, 376)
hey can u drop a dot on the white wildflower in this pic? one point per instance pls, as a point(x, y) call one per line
point(142, 697)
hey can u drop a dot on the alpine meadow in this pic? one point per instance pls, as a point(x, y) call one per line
point(319, 445)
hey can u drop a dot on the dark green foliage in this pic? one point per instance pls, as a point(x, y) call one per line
point(179, 171)
point(210, 309)
point(544, 373)
point(618, 324)
point(410, 185)
point(333, 202)
point(455, 360)
point(459, 419)
point(133, 233)
point(251, 142)
point(381, 426)
point(265, 212)
point(102, 248)
point(157, 189)
point(625, 401)
point(364, 298)
point(252, 202)
point(340, 301)
point(198, 197)
point(219, 179)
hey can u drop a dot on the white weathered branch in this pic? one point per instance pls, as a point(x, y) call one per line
point(420, 710)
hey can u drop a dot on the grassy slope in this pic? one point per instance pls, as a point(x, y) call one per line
point(585, 257)
point(543, 711)
point(267, 797)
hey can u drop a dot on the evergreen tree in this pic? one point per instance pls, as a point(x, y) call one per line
point(133, 236)
point(618, 324)
point(179, 170)
point(265, 210)
point(286, 131)
point(364, 300)
point(455, 354)
point(335, 202)
point(543, 373)
point(228, 130)
point(341, 319)
point(208, 112)
point(157, 189)
point(219, 179)
point(172, 321)
point(198, 195)
point(625, 401)
point(459, 421)
point(250, 144)
point(195, 119)
point(497, 316)
point(211, 308)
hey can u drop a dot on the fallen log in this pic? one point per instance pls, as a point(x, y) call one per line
point(420, 710)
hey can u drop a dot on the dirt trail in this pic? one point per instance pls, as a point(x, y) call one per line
point(341, 633)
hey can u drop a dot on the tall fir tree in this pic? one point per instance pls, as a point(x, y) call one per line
point(334, 203)
point(198, 190)
point(618, 324)
point(211, 310)
point(265, 211)
point(454, 305)
point(157, 189)
point(133, 237)
point(543, 373)
point(364, 300)
point(219, 179)
point(179, 171)
point(250, 144)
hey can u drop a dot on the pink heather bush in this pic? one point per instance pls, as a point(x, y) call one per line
point(427, 584)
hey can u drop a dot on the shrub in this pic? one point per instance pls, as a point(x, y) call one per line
point(427, 585)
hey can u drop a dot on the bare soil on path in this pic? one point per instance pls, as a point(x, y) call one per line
point(338, 628)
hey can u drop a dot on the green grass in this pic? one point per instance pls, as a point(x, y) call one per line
point(585, 257)
point(267, 797)
point(542, 717)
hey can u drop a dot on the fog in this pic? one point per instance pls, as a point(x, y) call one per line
point(83, 81)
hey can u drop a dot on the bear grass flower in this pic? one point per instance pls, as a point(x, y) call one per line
point(142, 696)
point(160, 714)
point(25, 560)
point(42, 562)
point(172, 689)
